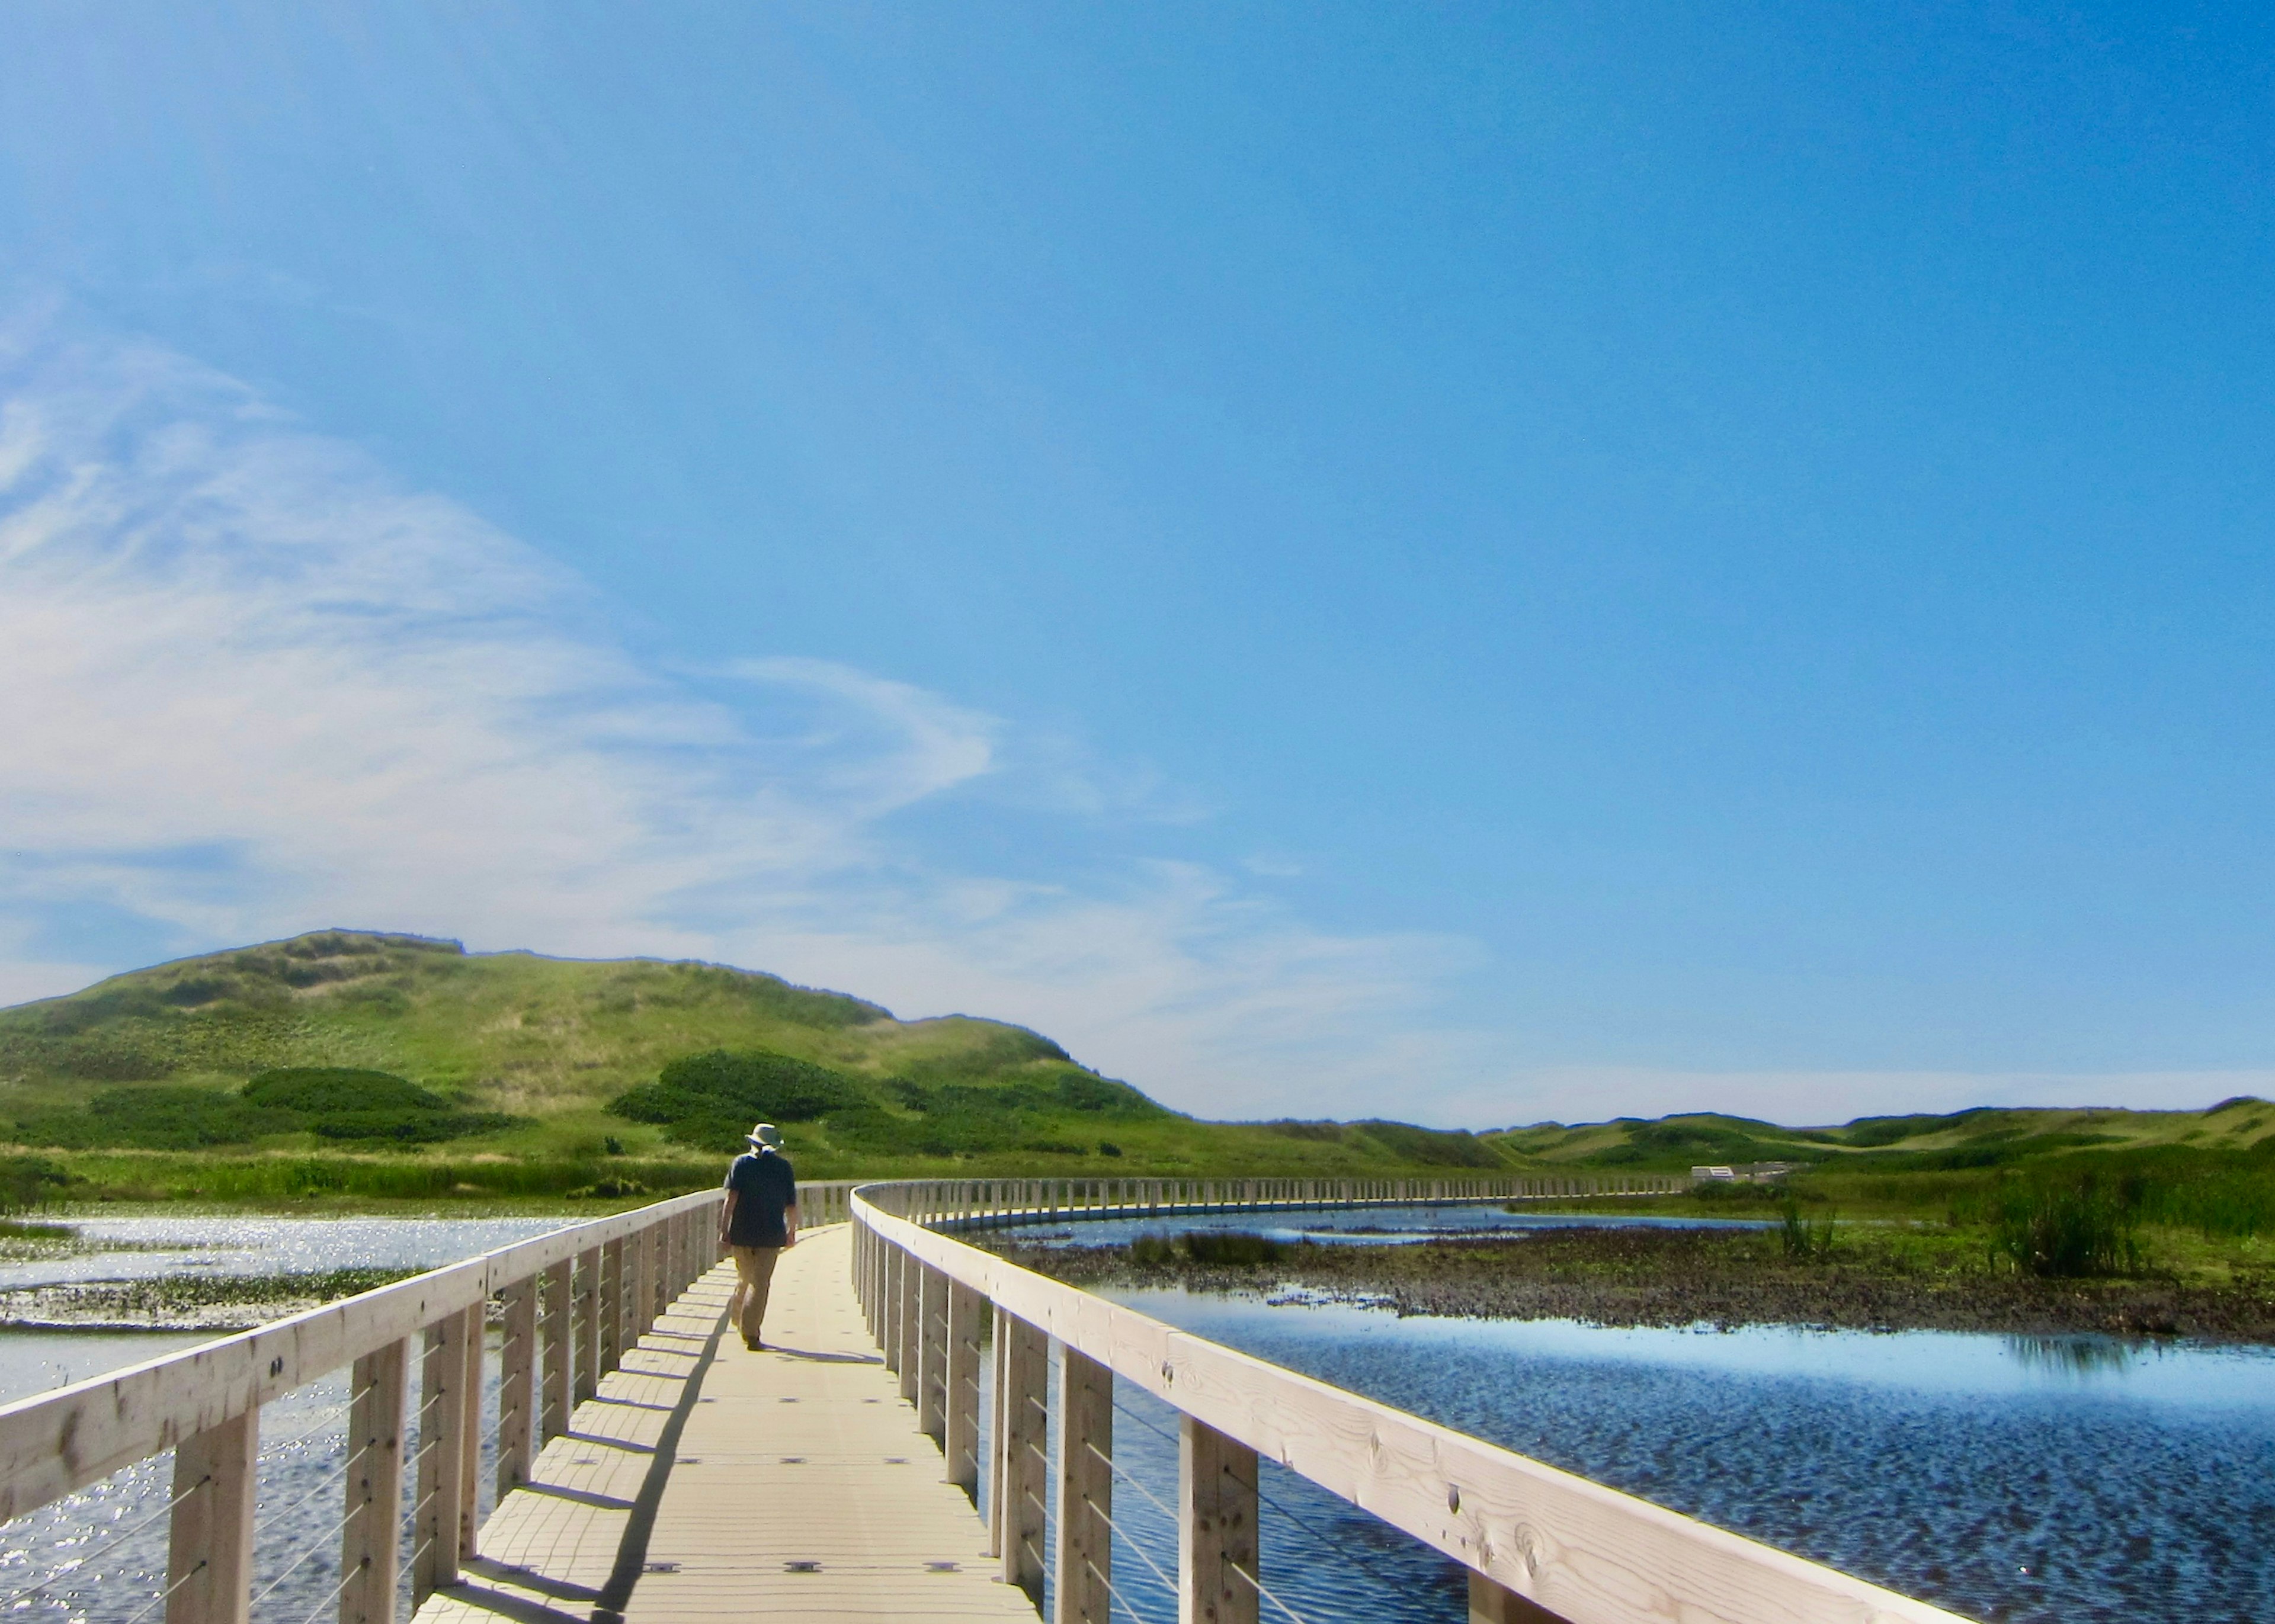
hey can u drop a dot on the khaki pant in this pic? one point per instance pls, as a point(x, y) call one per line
point(754, 1271)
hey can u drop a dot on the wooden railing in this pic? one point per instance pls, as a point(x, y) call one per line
point(975, 1204)
point(1540, 1545)
point(573, 1302)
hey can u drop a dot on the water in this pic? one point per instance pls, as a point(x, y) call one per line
point(1362, 1226)
point(99, 1556)
point(2008, 1478)
point(153, 1248)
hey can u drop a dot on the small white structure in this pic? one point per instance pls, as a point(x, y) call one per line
point(1752, 1172)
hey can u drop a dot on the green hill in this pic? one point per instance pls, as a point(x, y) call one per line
point(1986, 1137)
point(366, 1065)
point(382, 1064)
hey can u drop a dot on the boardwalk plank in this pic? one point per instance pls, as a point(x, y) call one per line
point(800, 1488)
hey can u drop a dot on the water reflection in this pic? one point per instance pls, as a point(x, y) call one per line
point(2079, 1355)
point(1365, 1226)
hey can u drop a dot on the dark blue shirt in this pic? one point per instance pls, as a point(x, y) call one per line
point(764, 1184)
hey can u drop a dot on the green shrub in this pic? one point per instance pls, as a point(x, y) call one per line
point(27, 1181)
point(2066, 1228)
point(703, 1092)
point(412, 1127)
point(323, 1091)
point(1235, 1250)
point(157, 1118)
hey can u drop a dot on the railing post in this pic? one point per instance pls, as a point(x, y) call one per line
point(554, 1411)
point(911, 1323)
point(888, 1303)
point(931, 1353)
point(1023, 1471)
point(643, 1247)
point(517, 1441)
point(1217, 1571)
point(962, 1443)
point(470, 1434)
point(612, 1305)
point(209, 1544)
point(588, 1324)
point(1491, 1602)
point(1084, 1429)
point(439, 1513)
point(999, 1346)
point(370, 1534)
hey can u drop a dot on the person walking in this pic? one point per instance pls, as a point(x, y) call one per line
point(758, 1222)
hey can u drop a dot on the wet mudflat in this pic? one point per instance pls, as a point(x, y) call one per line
point(1879, 1279)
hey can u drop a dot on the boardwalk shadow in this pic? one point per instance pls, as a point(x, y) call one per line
point(814, 1355)
point(521, 1609)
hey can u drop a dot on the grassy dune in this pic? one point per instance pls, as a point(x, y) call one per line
point(355, 1067)
point(550, 1044)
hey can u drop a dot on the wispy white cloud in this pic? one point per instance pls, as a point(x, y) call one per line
point(251, 685)
point(254, 686)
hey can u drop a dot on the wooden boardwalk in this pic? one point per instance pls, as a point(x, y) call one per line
point(708, 1482)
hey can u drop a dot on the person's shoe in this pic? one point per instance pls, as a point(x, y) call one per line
point(753, 1344)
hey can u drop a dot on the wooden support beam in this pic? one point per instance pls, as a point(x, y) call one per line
point(517, 1440)
point(960, 1442)
point(998, 1348)
point(643, 1250)
point(1083, 1428)
point(470, 1432)
point(588, 1324)
point(553, 1412)
point(612, 1306)
point(1494, 1602)
point(1020, 1429)
point(210, 1544)
point(888, 1307)
point(372, 1532)
point(911, 1323)
point(1217, 1571)
point(931, 1355)
point(438, 1516)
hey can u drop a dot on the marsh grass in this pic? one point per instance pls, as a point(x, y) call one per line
point(183, 1298)
point(1805, 1240)
point(1208, 1248)
point(2067, 1229)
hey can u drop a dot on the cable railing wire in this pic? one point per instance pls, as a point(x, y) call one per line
point(1301, 1522)
point(330, 1480)
point(167, 1595)
point(1131, 1540)
point(1257, 1585)
point(314, 1545)
point(109, 1544)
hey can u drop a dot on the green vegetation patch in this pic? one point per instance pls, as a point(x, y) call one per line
point(711, 1099)
point(331, 1102)
point(341, 1102)
point(1207, 1247)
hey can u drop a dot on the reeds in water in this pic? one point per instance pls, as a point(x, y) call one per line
point(2069, 1227)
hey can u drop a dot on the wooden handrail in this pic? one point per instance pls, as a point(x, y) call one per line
point(578, 1298)
point(1540, 1543)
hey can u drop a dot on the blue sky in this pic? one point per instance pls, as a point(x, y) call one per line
point(1463, 562)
